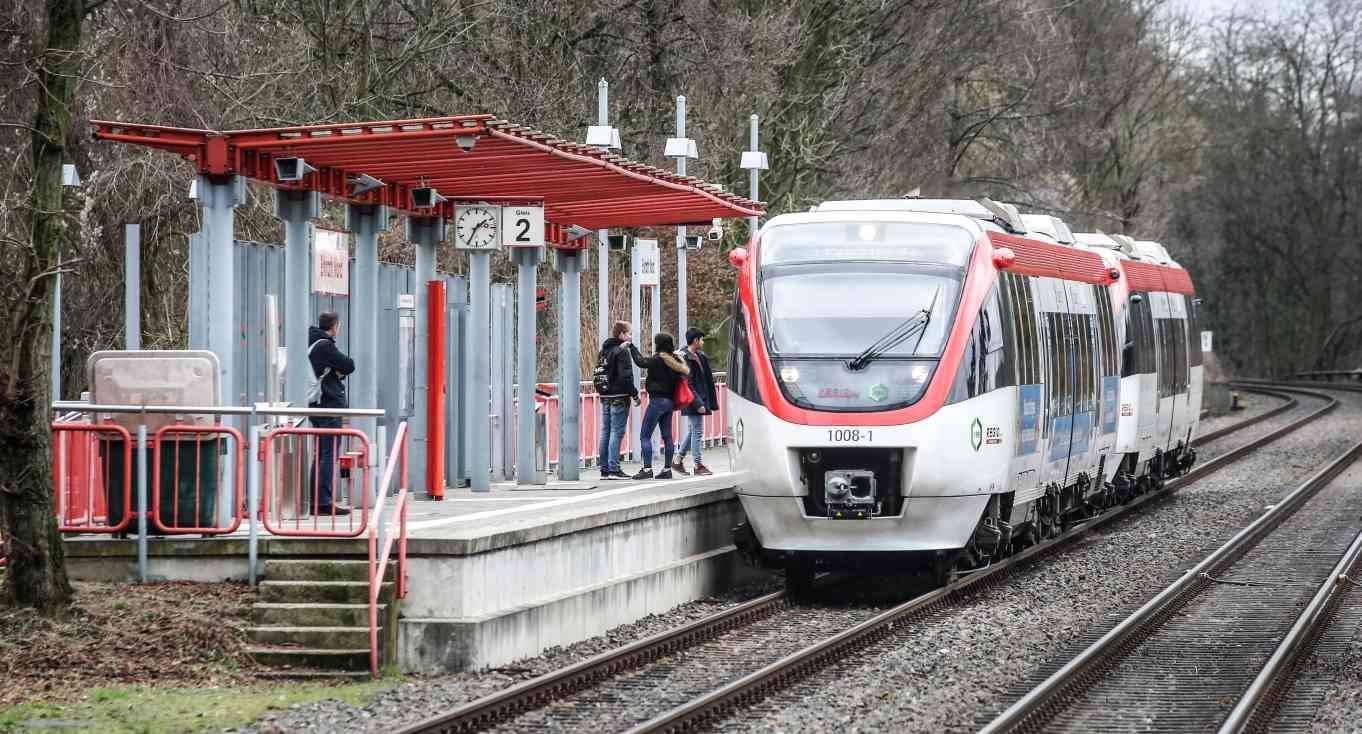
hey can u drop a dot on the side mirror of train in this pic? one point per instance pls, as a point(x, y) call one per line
point(1003, 258)
point(738, 258)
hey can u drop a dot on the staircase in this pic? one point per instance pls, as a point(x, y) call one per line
point(312, 619)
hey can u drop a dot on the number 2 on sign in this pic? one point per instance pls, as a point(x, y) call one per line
point(524, 234)
point(850, 435)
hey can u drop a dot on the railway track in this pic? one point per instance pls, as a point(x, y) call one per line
point(767, 643)
point(1214, 648)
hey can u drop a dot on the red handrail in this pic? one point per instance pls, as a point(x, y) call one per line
point(378, 557)
point(361, 464)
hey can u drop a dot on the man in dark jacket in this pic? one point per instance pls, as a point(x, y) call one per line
point(615, 400)
point(701, 380)
point(331, 366)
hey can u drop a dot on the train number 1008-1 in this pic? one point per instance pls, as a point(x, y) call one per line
point(850, 435)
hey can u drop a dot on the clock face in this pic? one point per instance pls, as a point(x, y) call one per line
point(475, 228)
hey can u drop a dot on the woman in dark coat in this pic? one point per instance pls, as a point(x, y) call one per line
point(664, 371)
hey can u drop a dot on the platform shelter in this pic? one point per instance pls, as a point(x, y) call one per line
point(541, 193)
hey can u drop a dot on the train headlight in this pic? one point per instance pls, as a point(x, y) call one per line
point(789, 374)
point(867, 233)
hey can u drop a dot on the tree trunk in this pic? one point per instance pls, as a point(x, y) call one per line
point(36, 558)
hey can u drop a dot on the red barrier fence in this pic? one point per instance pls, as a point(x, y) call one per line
point(185, 472)
point(92, 469)
point(290, 497)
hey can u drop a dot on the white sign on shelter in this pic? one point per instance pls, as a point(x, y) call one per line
point(649, 262)
point(330, 262)
point(1206, 342)
point(522, 226)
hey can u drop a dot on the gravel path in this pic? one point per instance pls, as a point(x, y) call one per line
point(940, 675)
point(424, 696)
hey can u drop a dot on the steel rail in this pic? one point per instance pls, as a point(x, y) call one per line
point(1260, 700)
point(536, 692)
point(823, 653)
point(1032, 711)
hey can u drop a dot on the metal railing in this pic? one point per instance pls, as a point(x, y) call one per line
point(282, 489)
point(1329, 375)
point(382, 534)
point(82, 468)
point(243, 466)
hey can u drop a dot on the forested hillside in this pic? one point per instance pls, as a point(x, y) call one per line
point(1237, 141)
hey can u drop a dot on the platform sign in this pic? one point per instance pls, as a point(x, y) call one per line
point(330, 262)
point(522, 226)
point(1206, 342)
point(649, 262)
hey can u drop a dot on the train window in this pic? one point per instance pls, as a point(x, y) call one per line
point(981, 367)
point(1007, 304)
point(1193, 332)
point(1139, 351)
point(742, 377)
point(1106, 339)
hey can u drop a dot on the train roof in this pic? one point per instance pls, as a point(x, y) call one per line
point(1052, 227)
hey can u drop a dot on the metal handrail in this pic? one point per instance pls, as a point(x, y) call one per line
point(80, 407)
point(378, 557)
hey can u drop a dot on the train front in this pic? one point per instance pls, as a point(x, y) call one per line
point(850, 447)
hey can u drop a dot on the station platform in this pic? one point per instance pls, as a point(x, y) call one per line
point(497, 576)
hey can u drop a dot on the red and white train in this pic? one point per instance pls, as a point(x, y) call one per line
point(943, 382)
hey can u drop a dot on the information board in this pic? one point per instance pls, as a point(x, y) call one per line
point(330, 262)
point(649, 262)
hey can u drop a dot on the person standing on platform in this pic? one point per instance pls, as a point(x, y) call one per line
point(615, 374)
point(664, 371)
point(330, 366)
point(706, 401)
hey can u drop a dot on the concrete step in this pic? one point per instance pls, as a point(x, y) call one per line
point(302, 658)
point(326, 592)
point(315, 615)
point(303, 674)
point(316, 638)
point(322, 569)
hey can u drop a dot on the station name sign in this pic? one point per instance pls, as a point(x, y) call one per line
point(330, 262)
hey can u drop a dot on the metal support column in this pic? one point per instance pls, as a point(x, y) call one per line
point(635, 318)
point(478, 355)
point(56, 332)
point(365, 221)
point(297, 209)
point(503, 382)
point(681, 231)
point(424, 233)
point(569, 264)
point(527, 258)
point(132, 287)
point(753, 174)
point(603, 235)
point(219, 196)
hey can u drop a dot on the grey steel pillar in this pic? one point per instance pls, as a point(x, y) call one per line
point(424, 233)
point(527, 258)
point(132, 287)
point(56, 332)
point(297, 209)
point(199, 288)
point(635, 318)
point(569, 264)
point(365, 221)
point(681, 232)
point(479, 361)
point(503, 373)
point(655, 309)
point(753, 174)
point(603, 235)
point(219, 196)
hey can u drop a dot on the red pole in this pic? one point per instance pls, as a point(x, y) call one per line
point(435, 377)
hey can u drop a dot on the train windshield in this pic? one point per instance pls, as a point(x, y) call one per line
point(826, 302)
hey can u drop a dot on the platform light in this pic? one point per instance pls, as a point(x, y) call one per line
point(425, 197)
point(693, 242)
point(618, 242)
point(364, 183)
point(576, 232)
point(681, 148)
point(291, 169)
point(753, 160)
point(466, 142)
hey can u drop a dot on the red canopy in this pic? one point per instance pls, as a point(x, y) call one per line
point(469, 158)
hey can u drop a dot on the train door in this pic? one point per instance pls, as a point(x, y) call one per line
point(1141, 325)
point(1165, 353)
point(1176, 329)
point(1195, 372)
point(1023, 334)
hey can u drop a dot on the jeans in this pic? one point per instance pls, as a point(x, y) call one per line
point(693, 439)
point(326, 462)
point(614, 419)
point(658, 415)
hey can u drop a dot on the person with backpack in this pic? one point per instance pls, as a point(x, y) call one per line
point(706, 401)
point(665, 371)
point(614, 382)
point(330, 367)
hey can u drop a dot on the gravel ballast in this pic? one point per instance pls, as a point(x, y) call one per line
point(951, 672)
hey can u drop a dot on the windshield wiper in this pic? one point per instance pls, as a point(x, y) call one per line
point(905, 330)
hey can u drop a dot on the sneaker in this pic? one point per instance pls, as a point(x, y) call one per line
point(607, 475)
point(702, 471)
point(620, 475)
point(644, 473)
point(338, 511)
point(665, 474)
point(679, 466)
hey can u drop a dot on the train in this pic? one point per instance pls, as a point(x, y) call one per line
point(934, 384)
